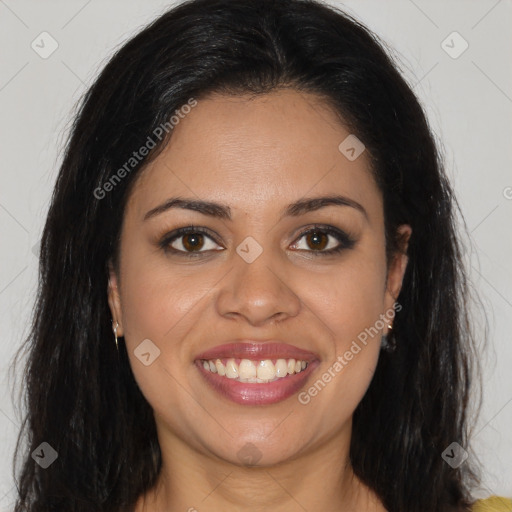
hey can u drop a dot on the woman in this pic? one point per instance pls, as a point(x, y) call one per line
point(252, 204)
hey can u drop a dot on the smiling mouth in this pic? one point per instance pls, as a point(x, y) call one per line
point(261, 371)
point(256, 373)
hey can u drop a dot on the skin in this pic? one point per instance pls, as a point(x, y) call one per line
point(256, 155)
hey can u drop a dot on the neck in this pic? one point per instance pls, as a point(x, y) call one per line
point(193, 481)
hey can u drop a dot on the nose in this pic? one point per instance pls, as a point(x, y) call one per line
point(258, 292)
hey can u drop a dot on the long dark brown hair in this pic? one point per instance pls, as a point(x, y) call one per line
point(83, 400)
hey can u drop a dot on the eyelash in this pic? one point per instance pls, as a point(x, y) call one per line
point(345, 241)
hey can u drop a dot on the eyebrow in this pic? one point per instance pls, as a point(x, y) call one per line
point(223, 211)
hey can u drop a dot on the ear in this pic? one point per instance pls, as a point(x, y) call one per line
point(397, 266)
point(114, 299)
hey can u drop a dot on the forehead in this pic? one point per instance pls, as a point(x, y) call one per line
point(254, 153)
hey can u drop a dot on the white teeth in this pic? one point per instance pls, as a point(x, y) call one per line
point(262, 371)
point(266, 370)
point(281, 368)
point(231, 369)
point(247, 369)
point(220, 367)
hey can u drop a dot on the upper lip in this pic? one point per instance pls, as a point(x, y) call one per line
point(258, 350)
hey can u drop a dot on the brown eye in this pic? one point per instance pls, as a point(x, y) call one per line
point(317, 240)
point(193, 241)
point(189, 241)
point(323, 241)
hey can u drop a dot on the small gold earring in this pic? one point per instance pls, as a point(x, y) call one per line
point(115, 333)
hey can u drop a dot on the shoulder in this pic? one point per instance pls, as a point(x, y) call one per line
point(493, 504)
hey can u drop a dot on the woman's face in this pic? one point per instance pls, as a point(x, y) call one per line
point(253, 273)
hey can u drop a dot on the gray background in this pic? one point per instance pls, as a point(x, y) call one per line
point(468, 100)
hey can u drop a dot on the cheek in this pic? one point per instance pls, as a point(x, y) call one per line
point(160, 306)
point(156, 295)
point(351, 310)
point(352, 298)
point(155, 302)
point(352, 307)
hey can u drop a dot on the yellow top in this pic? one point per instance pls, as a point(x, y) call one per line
point(493, 504)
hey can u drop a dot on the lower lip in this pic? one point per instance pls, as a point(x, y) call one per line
point(245, 393)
